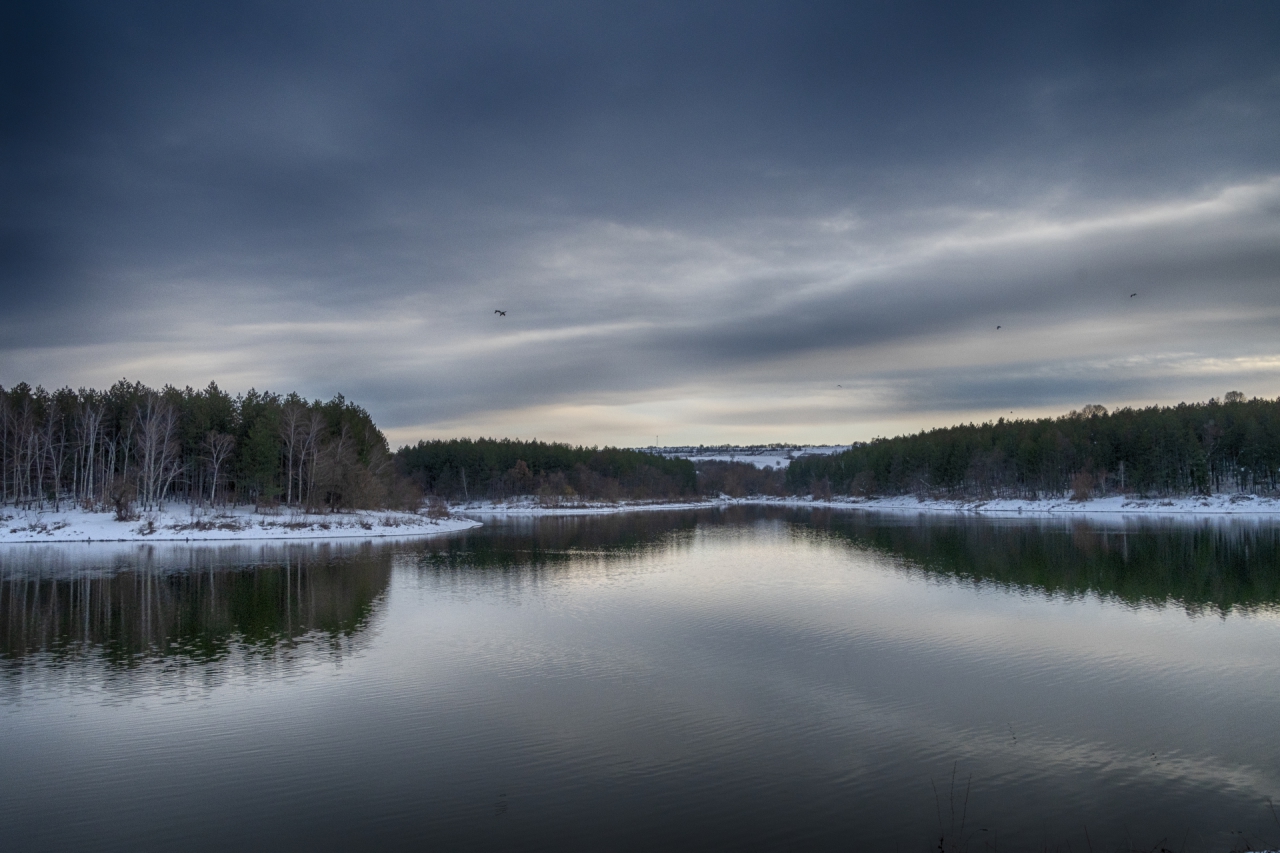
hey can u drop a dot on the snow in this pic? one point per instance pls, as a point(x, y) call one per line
point(760, 456)
point(1113, 508)
point(1249, 506)
point(185, 522)
point(535, 506)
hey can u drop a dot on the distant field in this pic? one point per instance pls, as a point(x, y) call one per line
point(761, 456)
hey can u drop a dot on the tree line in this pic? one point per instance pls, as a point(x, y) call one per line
point(1222, 446)
point(495, 469)
point(133, 446)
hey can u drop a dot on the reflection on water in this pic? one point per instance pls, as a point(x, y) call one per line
point(196, 603)
point(187, 603)
point(1214, 564)
point(533, 543)
point(748, 678)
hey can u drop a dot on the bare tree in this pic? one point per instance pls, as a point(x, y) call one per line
point(158, 460)
point(54, 438)
point(292, 427)
point(330, 460)
point(88, 430)
point(312, 439)
point(217, 448)
point(21, 423)
point(4, 445)
point(121, 449)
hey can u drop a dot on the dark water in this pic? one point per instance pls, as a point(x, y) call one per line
point(753, 679)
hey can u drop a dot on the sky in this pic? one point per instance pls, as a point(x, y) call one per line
point(706, 222)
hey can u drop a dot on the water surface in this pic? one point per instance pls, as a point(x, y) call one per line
point(747, 679)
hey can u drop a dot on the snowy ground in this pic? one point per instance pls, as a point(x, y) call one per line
point(535, 506)
point(761, 457)
point(1114, 508)
point(183, 522)
point(1216, 505)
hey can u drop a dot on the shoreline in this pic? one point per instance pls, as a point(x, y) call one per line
point(185, 523)
point(1216, 506)
point(182, 523)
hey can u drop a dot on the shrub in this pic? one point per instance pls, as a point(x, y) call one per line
point(1081, 486)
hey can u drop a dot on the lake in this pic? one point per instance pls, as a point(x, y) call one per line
point(748, 678)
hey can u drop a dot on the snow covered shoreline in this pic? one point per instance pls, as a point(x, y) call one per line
point(1217, 505)
point(534, 507)
point(1244, 506)
point(186, 523)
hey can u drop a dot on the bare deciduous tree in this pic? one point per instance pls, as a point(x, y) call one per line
point(53, 437)
point(158, 460)
point(292, 428)
point(217, 448)
point(312, 438)
point(88, 431)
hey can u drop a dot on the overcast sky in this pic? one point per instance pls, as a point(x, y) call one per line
point(706, 222)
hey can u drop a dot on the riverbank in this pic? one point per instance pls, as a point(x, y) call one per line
point(539, 507)
point(1215, 505)
point(187, 523)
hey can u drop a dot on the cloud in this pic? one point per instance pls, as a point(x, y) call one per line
point(699, 218)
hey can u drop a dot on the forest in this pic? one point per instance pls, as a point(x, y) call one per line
point(493, 469)
point(1230, 445)
point(132, 447)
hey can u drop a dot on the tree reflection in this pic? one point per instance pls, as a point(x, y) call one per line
point(1214, 565)
point(202, 603)
point(196, 608)
point(553, 542)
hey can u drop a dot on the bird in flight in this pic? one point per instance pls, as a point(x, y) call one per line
point(997, 327)
point(1131, 295)
point(496, 311)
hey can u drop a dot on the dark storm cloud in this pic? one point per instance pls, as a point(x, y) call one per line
point(334, 196)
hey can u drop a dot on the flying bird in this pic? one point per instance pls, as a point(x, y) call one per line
point(496, 311)
point(997, 327)
point(1131, 295)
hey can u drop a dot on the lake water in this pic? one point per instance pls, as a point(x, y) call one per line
point(746, 679)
